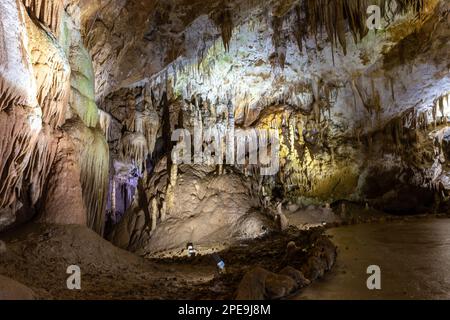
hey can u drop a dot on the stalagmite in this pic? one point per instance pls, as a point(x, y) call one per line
point(170, 193)
point(154, 204)
point(63, 203)
point(94, 180)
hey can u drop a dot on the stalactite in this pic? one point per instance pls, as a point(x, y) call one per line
point(170, 192)
point(105, 122)
point(434, 114)
point(155, 212)
point(17, 141)
point(334, 15)
point(147, 123)
point(372, 101)
point(113, 200)
point(49, 12)
point(224, 21)
point(17, 82)
point(82, 81)
point(52, 72)
point(94, 179)
point(441, 108)
point(163, 211)
point(41, 161)
point(134, 149)
point(300, 29)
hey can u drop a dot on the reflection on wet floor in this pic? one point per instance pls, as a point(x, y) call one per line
point(414, 257)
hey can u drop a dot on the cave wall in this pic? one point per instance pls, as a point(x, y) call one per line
point(91, 92)
point(47, 84)
point(360, 114)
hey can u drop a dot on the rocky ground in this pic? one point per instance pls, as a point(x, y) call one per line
point(34, 260)
point(37, 256)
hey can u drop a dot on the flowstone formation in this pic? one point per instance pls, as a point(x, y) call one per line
point(48, 117)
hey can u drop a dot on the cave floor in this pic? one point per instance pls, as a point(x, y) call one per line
point(413, 255)
point(38, 256)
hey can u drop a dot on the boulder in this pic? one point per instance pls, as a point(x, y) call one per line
point(260, 284)
point(297, 275)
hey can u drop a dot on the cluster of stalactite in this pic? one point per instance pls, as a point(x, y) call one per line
point(17, 142)
point(315, 16)
point(133, 148)
point(105, 122)
point(47, 11)
point(300, 128)
point(28, 145)
point(439, 110)
point(38, 79)
point(143, 126)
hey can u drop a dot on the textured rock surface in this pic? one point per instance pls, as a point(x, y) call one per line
point(44, 170)
point(13, 290)
point(358, 112)
point(38, 256)
point(207, 210)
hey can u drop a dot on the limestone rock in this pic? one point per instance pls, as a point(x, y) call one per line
point(2, 247)
point(13, 290)
point(260, 284)
point(59, 207)
point(279, 286)
point(296, 275)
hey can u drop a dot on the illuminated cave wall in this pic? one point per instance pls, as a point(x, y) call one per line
point(91, 92)
point(361, 121)
point(55, 159)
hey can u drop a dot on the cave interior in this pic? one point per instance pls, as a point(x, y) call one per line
point(174, 149)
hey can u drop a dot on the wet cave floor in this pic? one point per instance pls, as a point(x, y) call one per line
point(413, 255)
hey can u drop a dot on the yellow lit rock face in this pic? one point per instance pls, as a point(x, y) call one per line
point(308, 171)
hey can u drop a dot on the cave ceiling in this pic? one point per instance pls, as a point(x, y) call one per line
point(250, 51)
